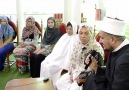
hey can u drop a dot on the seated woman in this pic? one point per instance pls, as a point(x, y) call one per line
point(85, 43)
point(58, 60)
point(6, 38)
point(30, 35)
point(51, 36)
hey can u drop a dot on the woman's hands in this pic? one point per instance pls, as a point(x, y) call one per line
point(22, 44)
point(39, 51)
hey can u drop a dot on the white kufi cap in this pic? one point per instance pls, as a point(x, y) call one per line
point(113, 26)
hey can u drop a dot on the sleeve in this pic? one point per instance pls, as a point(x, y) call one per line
point(73, 61)
point(48, 49)
point(121, 74)
point(100, 80)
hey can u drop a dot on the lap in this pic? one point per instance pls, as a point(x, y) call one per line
point(7, 48)
point(65, 82)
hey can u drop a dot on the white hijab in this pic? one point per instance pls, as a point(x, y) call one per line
point(60, 56)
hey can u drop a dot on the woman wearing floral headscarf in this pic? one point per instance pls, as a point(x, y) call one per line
point(29, 39)
point(6, 37)
point(51, 36)
point(81, 48)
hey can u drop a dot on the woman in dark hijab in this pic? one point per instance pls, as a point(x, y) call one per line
point(51, 36)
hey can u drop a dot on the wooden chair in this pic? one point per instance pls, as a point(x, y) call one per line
point(9, 62)
point(40, 28)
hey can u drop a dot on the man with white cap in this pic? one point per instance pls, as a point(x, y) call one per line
point(116, 74)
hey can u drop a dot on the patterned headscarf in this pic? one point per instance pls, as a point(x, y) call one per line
point(51, 35)
point(28, 30)
point(80, 52)
point(6, 30)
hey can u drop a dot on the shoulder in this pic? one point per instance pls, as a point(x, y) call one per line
point(10, 28)
point(124, 57)
point(77, 45)
point(36, 28)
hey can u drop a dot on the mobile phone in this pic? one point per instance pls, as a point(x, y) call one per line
point(46, 79)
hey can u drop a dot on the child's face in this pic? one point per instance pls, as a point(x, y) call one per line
point(69, 30)
point(3, 22)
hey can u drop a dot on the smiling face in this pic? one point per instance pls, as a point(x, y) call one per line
point(84, 35)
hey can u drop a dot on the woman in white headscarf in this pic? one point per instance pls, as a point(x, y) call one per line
point(60, 56)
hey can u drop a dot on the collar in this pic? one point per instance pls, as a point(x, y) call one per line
point(125, 42)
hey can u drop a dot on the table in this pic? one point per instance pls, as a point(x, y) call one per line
point(29, 84)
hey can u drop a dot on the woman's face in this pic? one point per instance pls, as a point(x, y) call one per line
point(29, 23)
point(69, 30)
point(84, 35)
point(50, 23)
point(3, 22)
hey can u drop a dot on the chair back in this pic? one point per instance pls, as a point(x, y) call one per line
point(62, 28)
point(39, 28)
point(9, 62)
point(15, 30)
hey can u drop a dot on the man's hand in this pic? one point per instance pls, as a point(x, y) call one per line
point(80, 81)
point(93, 64)
point(71, 78)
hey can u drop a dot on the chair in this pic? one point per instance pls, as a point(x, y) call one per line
point(62, 28)
point(40, 28)
point(9, 62)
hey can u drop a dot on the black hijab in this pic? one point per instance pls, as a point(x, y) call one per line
point(51, 35)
